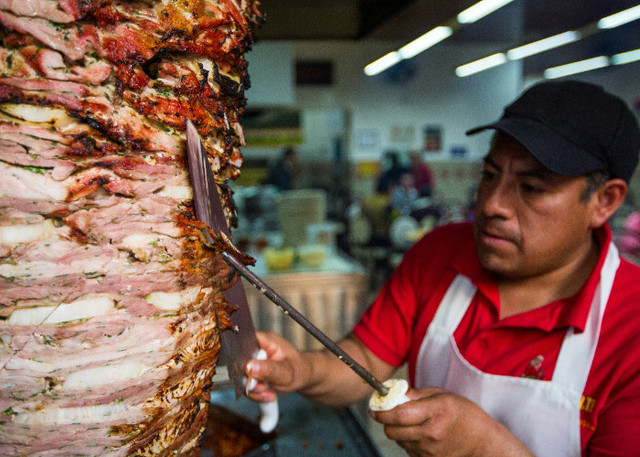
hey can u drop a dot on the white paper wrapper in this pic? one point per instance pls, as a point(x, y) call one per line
point(396, 396)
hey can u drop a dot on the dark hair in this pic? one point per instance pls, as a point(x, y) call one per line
point(593, 181)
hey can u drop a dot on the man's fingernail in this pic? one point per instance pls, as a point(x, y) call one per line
point(251, 368)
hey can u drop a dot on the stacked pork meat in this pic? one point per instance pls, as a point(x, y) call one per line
point(110, 302)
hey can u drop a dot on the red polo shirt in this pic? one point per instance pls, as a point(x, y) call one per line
point(525, 344)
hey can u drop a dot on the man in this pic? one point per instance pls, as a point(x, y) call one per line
point(521, 329)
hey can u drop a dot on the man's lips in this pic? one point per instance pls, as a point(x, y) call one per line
point(495, 238)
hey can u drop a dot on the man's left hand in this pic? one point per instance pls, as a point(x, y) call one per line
point(439, 423)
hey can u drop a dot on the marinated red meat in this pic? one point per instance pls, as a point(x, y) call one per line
point(110, 302)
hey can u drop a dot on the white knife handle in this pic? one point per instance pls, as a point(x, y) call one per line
point(269, 411)
point(269, 416)
point(396, 396)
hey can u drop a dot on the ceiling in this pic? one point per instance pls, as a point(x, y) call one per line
point(520, 22)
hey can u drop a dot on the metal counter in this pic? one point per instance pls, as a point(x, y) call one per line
point(306, 429)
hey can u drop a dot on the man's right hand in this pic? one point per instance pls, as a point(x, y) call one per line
point(285, 370)
point(317, 375)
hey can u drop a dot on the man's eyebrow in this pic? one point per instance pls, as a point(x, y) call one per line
point(536, 171)
point(488, 161)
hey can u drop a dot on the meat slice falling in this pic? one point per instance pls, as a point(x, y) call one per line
point(111, 304)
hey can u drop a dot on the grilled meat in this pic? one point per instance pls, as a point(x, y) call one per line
point(110, 302)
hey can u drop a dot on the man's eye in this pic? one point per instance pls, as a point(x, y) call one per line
point(487, 174)
point(530, 188)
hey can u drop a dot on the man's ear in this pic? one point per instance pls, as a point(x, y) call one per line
point(606, 201)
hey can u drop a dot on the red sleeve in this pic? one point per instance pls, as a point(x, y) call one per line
point(385, 328)
point(406, 303)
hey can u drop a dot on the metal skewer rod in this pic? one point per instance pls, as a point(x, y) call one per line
point(284, 306)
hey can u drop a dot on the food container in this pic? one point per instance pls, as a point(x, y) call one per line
point(279, 259)
point(312, 255)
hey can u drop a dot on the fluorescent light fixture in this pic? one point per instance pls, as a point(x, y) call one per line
point(425, 41)
point(409, 50)
point(542, 45)
point(626, 57)
point(576, 67)
point(384, 62)
point(480, 10)
point(620, 18)
point(481, 65)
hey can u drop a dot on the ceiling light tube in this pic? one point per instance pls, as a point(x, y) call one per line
point(620, 18)
point(384, 62)
point(480, 10)
point(425, 41)
point(626, 57)
point(481, 65)
point(542, 45)
point(576, 67)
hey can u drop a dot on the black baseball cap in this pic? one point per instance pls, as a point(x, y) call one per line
point(573, 128)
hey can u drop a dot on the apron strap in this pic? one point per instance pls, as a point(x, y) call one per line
point(454, 304)
point(578, 349)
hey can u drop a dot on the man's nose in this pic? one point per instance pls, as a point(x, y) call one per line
point(498, 200)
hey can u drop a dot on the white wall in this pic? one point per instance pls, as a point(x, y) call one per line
point(272, 74)
point(433, 95)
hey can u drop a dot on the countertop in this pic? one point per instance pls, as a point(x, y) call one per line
point(306, 429)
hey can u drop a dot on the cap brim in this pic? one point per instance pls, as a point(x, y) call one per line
point(550, 148)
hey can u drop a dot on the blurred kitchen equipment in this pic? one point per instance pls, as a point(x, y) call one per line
point(296, 210)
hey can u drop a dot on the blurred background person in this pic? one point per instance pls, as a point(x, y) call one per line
point(630, 238)
point(391, 172)
point(283, 174)
point(422, 175)
point(403, 195)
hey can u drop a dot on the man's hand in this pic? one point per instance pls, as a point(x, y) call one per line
point(317, 375)
point(438, 423)
point(285, 370)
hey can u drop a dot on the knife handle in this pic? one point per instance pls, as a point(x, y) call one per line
point(269, 411)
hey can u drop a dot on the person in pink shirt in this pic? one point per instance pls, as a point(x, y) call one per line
point(630, 237)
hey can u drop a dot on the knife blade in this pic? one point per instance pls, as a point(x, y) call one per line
point(238, 344)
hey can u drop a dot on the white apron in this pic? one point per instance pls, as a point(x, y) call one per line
point(545, 415)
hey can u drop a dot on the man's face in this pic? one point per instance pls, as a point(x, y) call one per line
point(528, 220)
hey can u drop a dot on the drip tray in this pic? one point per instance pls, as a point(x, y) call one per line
point(231, 435)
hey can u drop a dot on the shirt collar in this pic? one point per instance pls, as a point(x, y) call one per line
point(567, 312)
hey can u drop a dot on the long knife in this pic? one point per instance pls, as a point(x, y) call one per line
point(273, 295)
point(238, 344)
